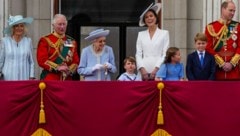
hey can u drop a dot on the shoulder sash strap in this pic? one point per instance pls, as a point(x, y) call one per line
point(62, 55)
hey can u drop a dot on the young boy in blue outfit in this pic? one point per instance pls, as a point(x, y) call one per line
point(130, 67)
point(200, 64)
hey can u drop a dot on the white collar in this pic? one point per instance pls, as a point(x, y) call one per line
point(200, 52)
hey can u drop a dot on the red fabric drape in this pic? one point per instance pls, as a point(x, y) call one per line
point(120, 108)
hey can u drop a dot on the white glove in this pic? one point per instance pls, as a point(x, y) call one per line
point(97, 67)
point(109, 65)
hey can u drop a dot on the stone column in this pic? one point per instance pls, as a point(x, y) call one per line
point(41, 11)
point(195, 22)
point(175, 20)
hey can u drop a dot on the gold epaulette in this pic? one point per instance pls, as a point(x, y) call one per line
point(235, 59)
point(220, 62)
point(220, 36)
point(212, 31)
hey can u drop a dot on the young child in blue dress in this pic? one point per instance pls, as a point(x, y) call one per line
point(171, 69)
point(130, 67)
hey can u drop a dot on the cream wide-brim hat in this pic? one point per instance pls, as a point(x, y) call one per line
point(156, 7)
point(18, 19)
point(96, 34)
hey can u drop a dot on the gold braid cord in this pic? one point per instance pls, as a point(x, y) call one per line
point(160, 121)
point(52, 65)
point(235, 59)
point(221, 35)
point(219, 60)
point(212, 31)
point(56, 46)
point(42, 119)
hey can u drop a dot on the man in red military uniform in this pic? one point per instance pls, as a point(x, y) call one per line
point(57, 52)
point(224, 43)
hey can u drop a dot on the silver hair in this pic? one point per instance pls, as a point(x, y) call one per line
point(58, 16)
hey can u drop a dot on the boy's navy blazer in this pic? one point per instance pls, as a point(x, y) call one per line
point(195, 71)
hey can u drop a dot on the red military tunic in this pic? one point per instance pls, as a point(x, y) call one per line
point(224, 44)
point(53, 51)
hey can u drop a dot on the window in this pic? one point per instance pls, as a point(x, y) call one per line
point(105, 11)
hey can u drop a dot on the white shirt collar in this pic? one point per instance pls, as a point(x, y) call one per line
point(200, 52)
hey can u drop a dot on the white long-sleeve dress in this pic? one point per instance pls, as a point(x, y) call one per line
point(16, 59)
point(150, 53)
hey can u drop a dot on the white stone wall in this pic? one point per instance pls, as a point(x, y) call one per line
point(194, 22)
point(41, 11)
point(175, 20)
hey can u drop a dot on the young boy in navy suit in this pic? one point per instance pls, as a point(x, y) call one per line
point(200, 64)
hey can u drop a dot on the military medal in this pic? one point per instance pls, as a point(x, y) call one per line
point(234, 45)
point(234, 37)
point(68, 43)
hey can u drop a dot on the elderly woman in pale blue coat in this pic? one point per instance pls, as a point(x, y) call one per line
point(97, 61)
point(16, 58)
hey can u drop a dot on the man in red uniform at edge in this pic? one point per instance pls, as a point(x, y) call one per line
point(224, 43)
point(57, 52)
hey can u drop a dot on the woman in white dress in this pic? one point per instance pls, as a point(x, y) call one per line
point(151, 45)
point(16, 58)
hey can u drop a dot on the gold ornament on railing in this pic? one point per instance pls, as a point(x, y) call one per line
point(160, 120)
point(42, 118)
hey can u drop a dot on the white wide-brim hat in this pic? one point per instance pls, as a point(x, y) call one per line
point(156, 7)
point(13, 20)
point(96, 34)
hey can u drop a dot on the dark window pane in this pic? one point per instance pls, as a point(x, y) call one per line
point(106, 11)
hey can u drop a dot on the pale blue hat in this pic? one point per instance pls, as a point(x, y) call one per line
point(96, 34)
point(156, 7)
point(13, 20)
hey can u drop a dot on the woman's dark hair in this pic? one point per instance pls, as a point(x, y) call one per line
point(154, 13)
point(171, 51)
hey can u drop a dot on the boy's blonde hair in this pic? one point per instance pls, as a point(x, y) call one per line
point(130, 59)
point(200, 37)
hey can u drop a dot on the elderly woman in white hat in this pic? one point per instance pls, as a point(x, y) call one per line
point(151, 45)
point(16, 58)
point(97, 60)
